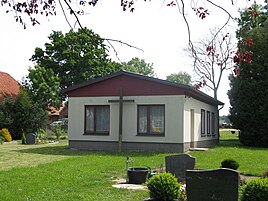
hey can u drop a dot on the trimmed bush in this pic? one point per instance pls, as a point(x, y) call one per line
point(164, 187)
point(255, 190)
point(230, 163)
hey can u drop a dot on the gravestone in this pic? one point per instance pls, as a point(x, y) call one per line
point(30, 138)
point(212, 185)
point(178, 164)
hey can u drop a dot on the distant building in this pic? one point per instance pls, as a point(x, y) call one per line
point(56, 114)
point(9, 87)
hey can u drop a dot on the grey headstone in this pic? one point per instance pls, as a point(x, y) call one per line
point(178, 164)
point(212, 185)
point(30, 138)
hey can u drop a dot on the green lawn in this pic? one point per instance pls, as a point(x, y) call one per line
point(54, 172)
point(252, 161)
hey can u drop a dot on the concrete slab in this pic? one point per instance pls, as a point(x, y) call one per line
point(198, 149)
point(121, 183)
point(130, 186)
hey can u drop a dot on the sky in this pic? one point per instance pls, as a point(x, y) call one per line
point(154, 27)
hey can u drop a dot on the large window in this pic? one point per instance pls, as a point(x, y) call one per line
point(151, 119)
point(97, 119)
point(208, 122)
point(203, 120)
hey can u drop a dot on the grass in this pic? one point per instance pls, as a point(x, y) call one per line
point(54, 172)
point(252, 160)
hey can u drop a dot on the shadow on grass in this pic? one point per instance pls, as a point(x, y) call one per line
point(65, 151)
point(230, 143)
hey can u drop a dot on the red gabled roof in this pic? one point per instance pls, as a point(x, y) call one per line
point(8, 86)
point(135, 85)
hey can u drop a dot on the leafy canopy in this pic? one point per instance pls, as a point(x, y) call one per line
point(139, 66)
point(66, 60)
point(44, 86)
point(180, 77)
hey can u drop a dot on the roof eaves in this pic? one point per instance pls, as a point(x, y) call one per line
point(189, 90)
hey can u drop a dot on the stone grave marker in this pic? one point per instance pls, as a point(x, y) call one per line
point(30, 138)
point(212, 185)
point(178, 164)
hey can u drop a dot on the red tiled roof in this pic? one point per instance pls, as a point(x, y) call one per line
point(56, 112)
point(8, 86)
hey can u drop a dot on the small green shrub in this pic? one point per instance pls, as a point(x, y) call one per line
point(164, 187)
point(41, 133)
point(23, 138)
point(58, 131)
point(255, 190)
point(230, 163)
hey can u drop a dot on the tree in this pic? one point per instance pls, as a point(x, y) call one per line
point(44, 86)
point(137, 65)
point(211, 58)
point(181, 78)
point(249, 91)
point(73, 57)
point(22, 114)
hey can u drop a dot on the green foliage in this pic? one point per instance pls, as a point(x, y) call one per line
point(255, 190)
point(58, 131)
point(23, 115)
point(230, 163)
point(44, 86)
point(139, 66)
point(23, 138)
point(73, 57)
point(5, 133)
point(164, 187)
point(41, 133)
point(181, 78)
point(2, 139)
point(249, 91)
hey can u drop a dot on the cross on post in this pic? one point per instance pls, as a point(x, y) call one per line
point(120, 101)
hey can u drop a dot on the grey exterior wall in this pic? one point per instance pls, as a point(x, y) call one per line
point(137, 146)
point(205, 143)
point(126, 146)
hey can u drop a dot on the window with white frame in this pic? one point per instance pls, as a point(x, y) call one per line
point(151, 119)
point(97, 119)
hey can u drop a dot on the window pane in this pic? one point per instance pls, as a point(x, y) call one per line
point(142, 119)
point(157, 119)
point(202, 122)
point(208, 122)
point(102, 119)
point(90, 119)
point(213, 123)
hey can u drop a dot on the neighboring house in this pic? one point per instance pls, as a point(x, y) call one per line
point(127, 111)
point(9, 87)
point(56, 114)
